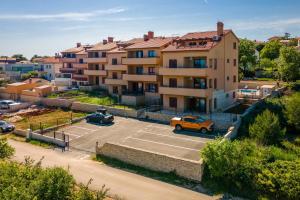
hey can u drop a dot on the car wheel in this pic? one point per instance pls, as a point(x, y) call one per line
point(178, 127)
point(1, 130)
point(203, 130)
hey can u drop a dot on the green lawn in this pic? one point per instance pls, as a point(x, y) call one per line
point(97, 97)
point(48, 119)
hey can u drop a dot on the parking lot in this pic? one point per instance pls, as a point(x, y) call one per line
point(139, 134)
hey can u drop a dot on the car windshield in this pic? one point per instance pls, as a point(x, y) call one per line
point(200, 119)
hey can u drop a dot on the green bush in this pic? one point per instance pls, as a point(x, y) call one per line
point(232, 164)
point(6, 151)
point(266, 129)
point(280, 180)
point(292, 110)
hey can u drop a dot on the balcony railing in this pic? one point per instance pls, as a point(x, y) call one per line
point(148, 77)
point(186, 91)
point(141, 61)
point(185, 71)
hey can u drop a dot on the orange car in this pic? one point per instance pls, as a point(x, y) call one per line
point(192, 122)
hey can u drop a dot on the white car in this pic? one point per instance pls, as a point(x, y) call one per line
point(4, 104)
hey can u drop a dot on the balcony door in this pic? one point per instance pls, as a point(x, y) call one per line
point(139, 54)
point(200, 83)
point(137, 87)
point(196, 104)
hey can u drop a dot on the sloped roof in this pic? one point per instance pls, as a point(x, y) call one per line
point(152, 43)
point(103, 47)
point(206, 47)
point(201, 35)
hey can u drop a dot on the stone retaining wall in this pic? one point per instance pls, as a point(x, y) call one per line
point(32, 99)
point(159, 162)
point(47, 139)
point(61, 103)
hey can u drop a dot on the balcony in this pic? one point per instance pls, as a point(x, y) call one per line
point(111, 81)
point(79, 77)
point(141, 61)
point(80, 65)
point(116, 67)
point(68, 60)
point(67, 70)
point(182, 91)
point(140, 77)
point(95, 72)
point(95, 60)
point(185, 71)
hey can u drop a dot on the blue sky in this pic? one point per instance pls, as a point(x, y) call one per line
point(44, 27)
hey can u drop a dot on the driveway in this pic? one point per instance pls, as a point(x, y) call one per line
point(125, 184)
point(140, 134)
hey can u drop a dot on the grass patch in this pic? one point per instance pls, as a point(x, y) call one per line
point(97, 97)
point(40, 143)
point(170, 177)
point(48, 119)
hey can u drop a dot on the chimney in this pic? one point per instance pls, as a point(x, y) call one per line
point(78, 44)
point(145, 37)
point(104, 42)
point(150, 35)
point(110, 39)
point(220, 28)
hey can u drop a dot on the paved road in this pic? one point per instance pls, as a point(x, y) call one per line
point(125, 184)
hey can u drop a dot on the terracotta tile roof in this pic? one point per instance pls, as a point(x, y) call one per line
point(152, 43)
point(73, 50)
point(103, 47)
point(83, 52)
point(47, 60)
point(206, 47)
point(201, 35)
point(117, 50)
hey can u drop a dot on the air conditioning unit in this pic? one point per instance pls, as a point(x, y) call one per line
point(216, 38)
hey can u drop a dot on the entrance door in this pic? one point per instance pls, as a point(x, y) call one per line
point(97, 80)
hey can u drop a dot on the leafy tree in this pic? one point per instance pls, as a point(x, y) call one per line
point(266, 129)
point(289, 64)
point(5, 149)
point(271, 50)
point(53, 183)
point(247, 56)
point(28, 75)
point(233, 164)
point(292, 110)
point(280, 180)
point(83, 193)
point(260, 46)
point(266, 63)
point(19, 57)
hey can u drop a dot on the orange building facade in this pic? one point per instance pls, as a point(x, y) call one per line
point(196, 72)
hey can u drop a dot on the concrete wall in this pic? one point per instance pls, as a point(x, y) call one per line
point(159, 162)
point(47, 139)
point(33, 99)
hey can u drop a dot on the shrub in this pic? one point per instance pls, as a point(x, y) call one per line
point(232, 164)
point(280, 180)
point(292, 110)
point(266, 129)
point(5, 150)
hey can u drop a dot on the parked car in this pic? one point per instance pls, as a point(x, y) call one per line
point(192, 122)
point(4, 104)
point(5, 126)
point(101, 116)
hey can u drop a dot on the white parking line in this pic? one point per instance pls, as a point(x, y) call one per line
point(84, 157)
point(163, 135)
point(92, 130)
point(75, 135)
point(164, 144)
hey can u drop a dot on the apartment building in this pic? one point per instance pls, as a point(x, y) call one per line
point(143, 60)
point(74, 64)
point(96, 60)
point(200, 71)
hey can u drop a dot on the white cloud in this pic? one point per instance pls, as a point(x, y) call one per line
point(264, 24)
point(68, 16)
